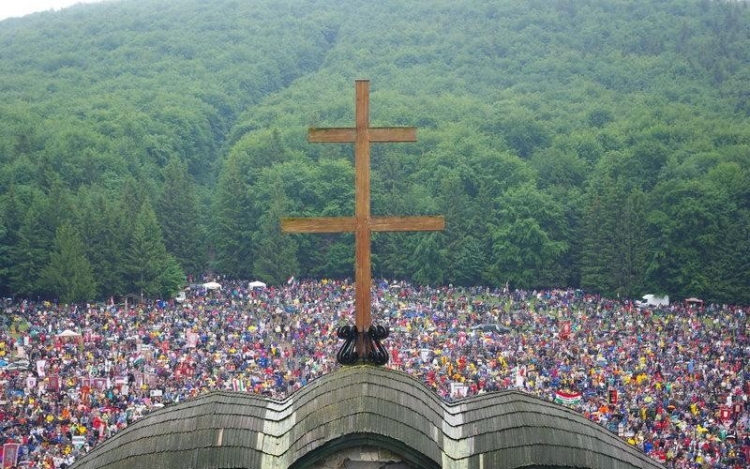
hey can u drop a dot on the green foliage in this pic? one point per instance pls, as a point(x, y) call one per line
point(275, 253)
point(178, 217)
point(596, 144)
point(150, 270)
point(614, 244)
point(69, 274)
point(233, 225)
point(429, 260)
point(30, 254)
point(529, 241)
point(104, 228)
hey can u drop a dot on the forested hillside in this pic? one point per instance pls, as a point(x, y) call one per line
point(600, 144)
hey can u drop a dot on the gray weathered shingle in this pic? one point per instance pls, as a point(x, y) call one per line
point(364, 405)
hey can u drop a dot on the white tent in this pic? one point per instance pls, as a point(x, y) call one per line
point(256, 284)
point(655, 300)
point(68, 333)
point(212, 285)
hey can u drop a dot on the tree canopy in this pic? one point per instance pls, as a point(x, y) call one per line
point(600, 144)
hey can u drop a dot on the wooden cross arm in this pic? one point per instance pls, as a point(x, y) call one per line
point(407, 223)
point(319, 225)
point(349, 224)
point(349, 135)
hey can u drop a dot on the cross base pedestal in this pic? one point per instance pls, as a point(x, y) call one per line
point(363, 347)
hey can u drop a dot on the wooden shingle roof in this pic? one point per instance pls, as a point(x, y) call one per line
point(364, 405)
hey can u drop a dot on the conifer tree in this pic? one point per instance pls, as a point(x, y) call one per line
point(178, 216)
point(233, 227)
point(152, 272)
point(276, 252)
point(69, 274)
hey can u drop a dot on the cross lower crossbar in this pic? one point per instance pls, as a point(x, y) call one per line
point(349, 224)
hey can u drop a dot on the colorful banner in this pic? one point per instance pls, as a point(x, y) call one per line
point(565, 332)
point(30, 383)
point(459, 390)
point(54, 383)
point(613, 396)
point(40, 364)
point(192, 339)
point(10, 454)
point(78, 441)
point(238, 385)
point(568, 397)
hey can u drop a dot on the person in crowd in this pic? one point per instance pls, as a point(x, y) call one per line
point(673, 381)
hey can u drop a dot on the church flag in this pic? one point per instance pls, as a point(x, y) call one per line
point(10, 454)
point(568, 397)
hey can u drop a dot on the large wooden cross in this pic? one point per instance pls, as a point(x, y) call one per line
point(362, 224)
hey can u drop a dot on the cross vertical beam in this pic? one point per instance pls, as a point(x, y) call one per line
point(363, 261)
point(363, 340)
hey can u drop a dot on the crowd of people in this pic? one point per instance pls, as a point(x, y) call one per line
point(673, 381)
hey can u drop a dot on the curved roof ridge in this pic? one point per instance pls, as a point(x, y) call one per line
point(503, 429)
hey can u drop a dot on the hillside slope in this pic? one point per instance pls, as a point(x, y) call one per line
point(596, 144)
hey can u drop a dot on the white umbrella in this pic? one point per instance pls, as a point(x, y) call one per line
point(212, 285)
point(256, 284)
point(68, 333)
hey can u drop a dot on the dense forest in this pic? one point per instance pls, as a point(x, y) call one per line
point(596, 144)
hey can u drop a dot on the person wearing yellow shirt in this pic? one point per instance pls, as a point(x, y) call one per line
point(502, 362)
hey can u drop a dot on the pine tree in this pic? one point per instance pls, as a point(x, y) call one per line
point(276, 252)
point(103, 228)
point(178, 216)
point(151, 270)
point(233, 225)
point(69, 274)
point(31, 252)
point(597, 250)
point(10, 223)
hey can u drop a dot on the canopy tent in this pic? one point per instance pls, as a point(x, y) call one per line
point(212, 285)
point(256, 284)
point(70, 336)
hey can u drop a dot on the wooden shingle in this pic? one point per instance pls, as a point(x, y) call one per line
point(364, 405)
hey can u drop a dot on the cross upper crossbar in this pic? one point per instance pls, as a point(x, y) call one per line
point(362, 224)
